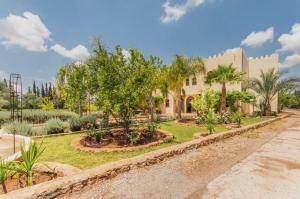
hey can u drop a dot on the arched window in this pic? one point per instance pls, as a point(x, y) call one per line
point(187, 82)
point(194, 81)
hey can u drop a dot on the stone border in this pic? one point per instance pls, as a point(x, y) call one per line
point(76, 144)
point(61, 187)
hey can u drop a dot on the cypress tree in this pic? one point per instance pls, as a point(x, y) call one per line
point(46, 90)
point(34, 90)
point(38, 92)
point(42, 91)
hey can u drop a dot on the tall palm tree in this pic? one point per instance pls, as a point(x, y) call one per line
point(181, 68)
point(224, 74)
point(268, 85)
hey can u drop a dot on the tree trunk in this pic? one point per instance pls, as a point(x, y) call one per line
point(179, 108)
point(151, 107)
point(223, 98)
point(268, 109)
point(4, 187)
point(79, 109)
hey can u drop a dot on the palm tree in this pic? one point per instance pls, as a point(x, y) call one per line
point(224, 74)
point(268, 85)
point(181, 68)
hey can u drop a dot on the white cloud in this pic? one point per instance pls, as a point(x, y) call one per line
point(255, 39)
point(175, 12)
point(232, 50)
point(291, 41)
point(27, 31)
point(290, 61)
point(77, 53)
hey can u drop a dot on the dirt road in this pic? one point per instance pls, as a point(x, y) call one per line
point(198, 173)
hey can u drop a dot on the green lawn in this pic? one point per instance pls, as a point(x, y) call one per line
point(59, 149)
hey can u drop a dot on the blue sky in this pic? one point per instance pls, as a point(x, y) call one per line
point(37, 36)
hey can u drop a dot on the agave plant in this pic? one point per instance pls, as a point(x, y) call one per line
point(29, 159)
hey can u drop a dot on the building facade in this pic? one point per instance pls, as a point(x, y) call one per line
point(252, 67)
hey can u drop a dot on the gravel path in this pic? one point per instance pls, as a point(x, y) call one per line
point(6, 146)
point(187, 175)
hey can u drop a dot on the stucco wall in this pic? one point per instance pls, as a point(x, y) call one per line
point(256, 65)
point(251, 67)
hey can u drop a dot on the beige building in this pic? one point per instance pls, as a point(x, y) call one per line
point(195, 84)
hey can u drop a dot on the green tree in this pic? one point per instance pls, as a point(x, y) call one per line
point(181, 68)
point(224, 74)
point(72, 83)
point(268, 85)
point(122, 83)
point(286, 100)
point(31, 101)
point(34, 88)
point(235, 98)
point(43, 94)
point(4, 95)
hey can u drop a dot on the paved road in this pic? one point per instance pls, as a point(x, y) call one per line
point(271, 172)
point(259, 164)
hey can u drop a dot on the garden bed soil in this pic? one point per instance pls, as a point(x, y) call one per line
point(116, 140)
point(15, 183)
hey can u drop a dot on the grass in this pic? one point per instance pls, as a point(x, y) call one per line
point(59, 149)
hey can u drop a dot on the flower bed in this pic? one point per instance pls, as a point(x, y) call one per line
point(116, 140)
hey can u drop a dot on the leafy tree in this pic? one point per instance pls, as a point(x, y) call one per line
point(287, 100)
point(72, 84)
point(205, 101)
point(234, 98)
point(4, 95)
point(122, 83)
point(153, 81)
point(181, 68)
point(47, 104)
point(224, 74)
point(268, 85)
point(31, 101)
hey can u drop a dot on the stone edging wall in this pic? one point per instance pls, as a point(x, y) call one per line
point(60, 187)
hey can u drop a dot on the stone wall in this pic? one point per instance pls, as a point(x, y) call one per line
point(60, 187)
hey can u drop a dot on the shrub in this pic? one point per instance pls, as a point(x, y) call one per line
point(237, 117)
point(38, 116)
point(201, 119)
point(97, 133)
point(88, 121)
point(224, 118)
point(38, 131)
point(75, 124)
point(133, 137)
point(55, 126)
point(47, 105)
point(21, 128)
point(210, 122)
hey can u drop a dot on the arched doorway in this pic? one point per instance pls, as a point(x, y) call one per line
point(189, 108)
